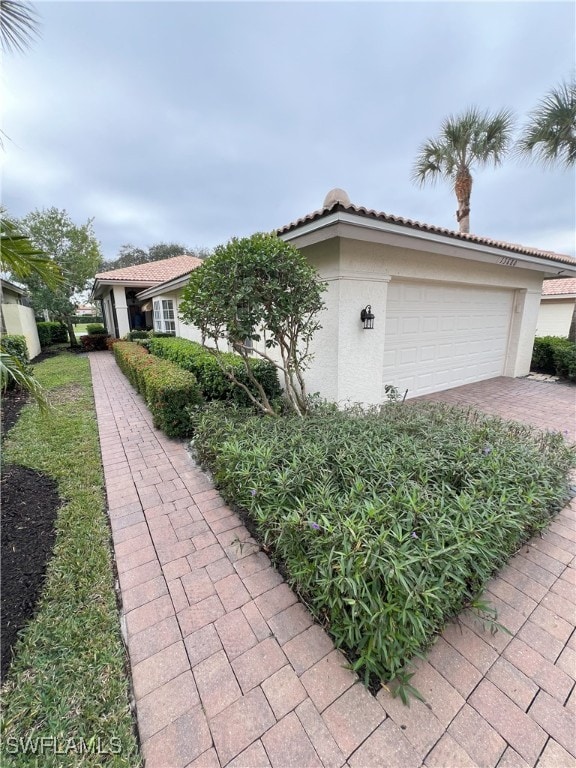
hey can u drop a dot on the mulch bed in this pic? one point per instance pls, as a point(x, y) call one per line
point(30, 502)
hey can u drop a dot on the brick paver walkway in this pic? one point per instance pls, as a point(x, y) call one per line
point(230, 670)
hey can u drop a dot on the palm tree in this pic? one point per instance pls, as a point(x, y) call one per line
point(18, 25)
point(550, 133)
point(466, 141)
point(19, 257)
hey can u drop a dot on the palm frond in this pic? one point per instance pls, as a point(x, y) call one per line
point(12, 369)
point(550, 134)
point(433, 161)
point(18, 25)
point(19, 256)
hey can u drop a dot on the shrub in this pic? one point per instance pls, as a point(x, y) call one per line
point(565, 361)
point(169, 390)
point(132, 335)
point(95, 329)
point(44, 334)
point(15, 346)
point(212, 380)
point(387, 522)
point(94, 342)
point(81, 319)
point(52, 333)
point(555, 355)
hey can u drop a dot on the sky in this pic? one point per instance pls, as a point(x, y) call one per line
point(196, 122)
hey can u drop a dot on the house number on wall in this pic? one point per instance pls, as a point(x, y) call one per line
point(507, 261)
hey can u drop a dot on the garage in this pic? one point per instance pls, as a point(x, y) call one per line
point(439, 335)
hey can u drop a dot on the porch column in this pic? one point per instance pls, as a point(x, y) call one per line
point(121, 310)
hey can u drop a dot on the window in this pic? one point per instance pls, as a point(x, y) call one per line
point(164, 316)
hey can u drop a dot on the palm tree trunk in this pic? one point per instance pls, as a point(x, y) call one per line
point(463, 190)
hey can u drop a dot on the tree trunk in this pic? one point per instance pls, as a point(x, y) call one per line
point(463, 190)
point(71, 334)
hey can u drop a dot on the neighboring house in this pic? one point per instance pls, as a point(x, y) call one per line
point(86, 310)
point(557, 308)
point(18, 316)
point(118, 291)
point(449, 308)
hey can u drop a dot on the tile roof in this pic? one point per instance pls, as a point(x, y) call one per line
point(565, 285)
point(153, 271)
point(398, 220)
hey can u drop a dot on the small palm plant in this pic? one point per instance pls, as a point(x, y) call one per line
point(472, 139)
point(549, 136)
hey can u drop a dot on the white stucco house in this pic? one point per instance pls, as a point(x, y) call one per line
point(17, 316)
point(447, 308)
point(118, 290)
point(557, 308)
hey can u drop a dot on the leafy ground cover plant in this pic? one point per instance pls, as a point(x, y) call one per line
point(68, 680)
point(387, 522)
point(168, 389)
point(211, 373)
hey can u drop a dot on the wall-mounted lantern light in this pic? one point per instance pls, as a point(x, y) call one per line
point(367, 317)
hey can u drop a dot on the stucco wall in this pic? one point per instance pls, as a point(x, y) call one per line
point(21, 321)
point(348, 359)
point(554, 317)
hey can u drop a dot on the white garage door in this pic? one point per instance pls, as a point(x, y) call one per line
point(440, 336)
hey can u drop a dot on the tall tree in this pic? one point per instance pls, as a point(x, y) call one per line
point(18, 25)
point(467, 141)
point(130, 255)
point(74, 248)
point(549, 136)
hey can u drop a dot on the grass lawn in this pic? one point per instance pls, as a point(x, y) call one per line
point(388, 523)
point(80, 329)
point(68, 679)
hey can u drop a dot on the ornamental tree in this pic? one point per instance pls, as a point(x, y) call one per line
point(76, 252)
point(260, 296)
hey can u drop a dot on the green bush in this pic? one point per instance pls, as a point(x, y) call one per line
point(213, 381)
point(169, 390)
point(555, 355)
point(95, 329)
point(52, 333)
point(133, 335)
point(565, 361)
point(15, 346)
point(94, 342)
point(44, 334)
point(82, 319)
point(387, 522)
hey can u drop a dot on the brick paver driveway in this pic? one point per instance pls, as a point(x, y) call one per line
point(230, 670)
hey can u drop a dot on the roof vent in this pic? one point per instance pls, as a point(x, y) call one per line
point(336, 195)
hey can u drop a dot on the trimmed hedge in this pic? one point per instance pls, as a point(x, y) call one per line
point(213, 381)
point(95, 329)
point(555, 355)
point(168, 389)
point(52, 333)
point(94, 342)
point(15, 346)
point(81, 319)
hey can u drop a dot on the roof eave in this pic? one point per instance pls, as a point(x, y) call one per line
point(173, 284)
point(465, 248)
